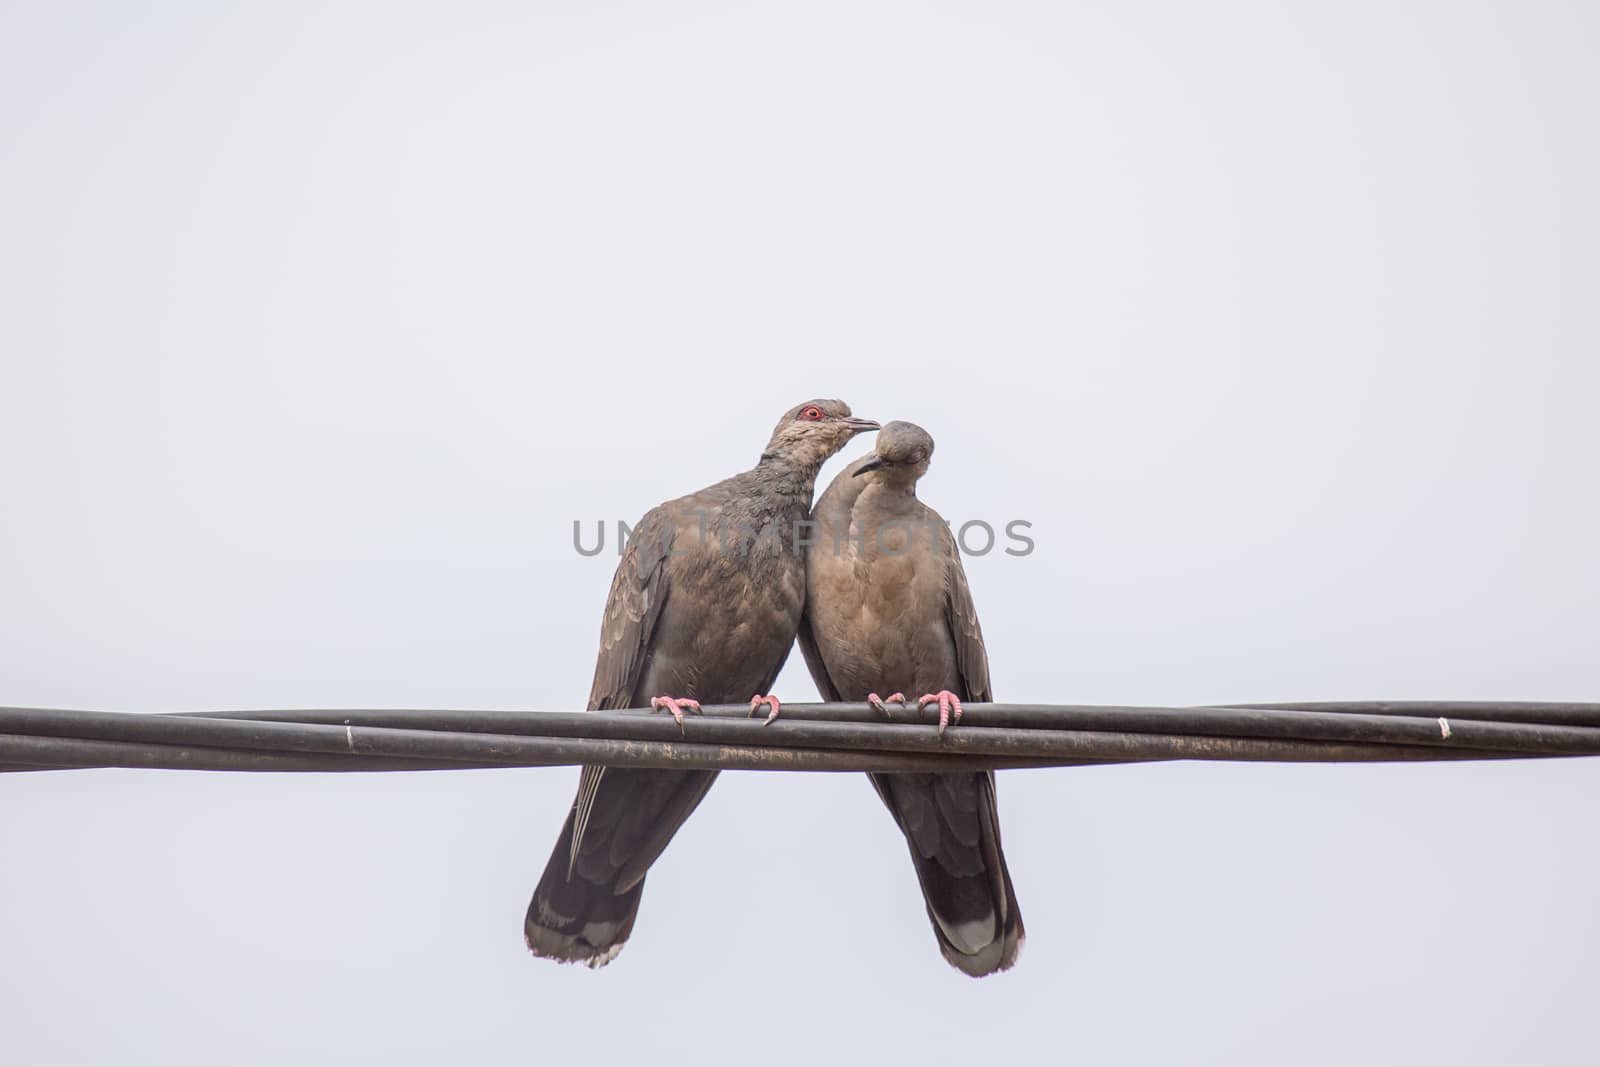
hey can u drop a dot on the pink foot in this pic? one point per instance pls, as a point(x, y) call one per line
point(877, 703)
point(758, 700)
point(675, 705)
point(948, 702)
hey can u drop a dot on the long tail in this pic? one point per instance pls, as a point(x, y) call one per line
point(587, 899)
point(953, 829)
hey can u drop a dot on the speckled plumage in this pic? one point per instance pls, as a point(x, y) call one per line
point(704, 605)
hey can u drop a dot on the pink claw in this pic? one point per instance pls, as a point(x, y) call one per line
point(676, 705)
point(948, 702)
point(758, 700)
point(877, 703)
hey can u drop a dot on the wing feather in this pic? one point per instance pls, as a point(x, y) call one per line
point(639, 591)
point(961, 615)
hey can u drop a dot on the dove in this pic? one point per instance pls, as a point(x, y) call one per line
point(888, 610)
point(704, 607)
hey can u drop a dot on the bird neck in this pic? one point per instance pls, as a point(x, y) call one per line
point(893, 482)
point(790, 474)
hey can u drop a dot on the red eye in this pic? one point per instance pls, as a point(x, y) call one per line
point(811, 414)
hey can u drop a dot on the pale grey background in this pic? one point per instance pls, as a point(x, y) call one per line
point(322, 323)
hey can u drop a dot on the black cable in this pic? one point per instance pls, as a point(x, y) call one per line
point(816, 737)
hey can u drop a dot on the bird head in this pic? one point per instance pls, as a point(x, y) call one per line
point(903, 452)
point(810, 432)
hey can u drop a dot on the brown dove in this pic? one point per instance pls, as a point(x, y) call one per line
point(704, 607)
point(888, 610)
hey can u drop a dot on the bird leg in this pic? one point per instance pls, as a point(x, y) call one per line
point(758, 700)
point(676, 705)
point(948, 702)
point(876, 702)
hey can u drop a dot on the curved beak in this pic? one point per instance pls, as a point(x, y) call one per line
point(872, 464)
point(860, 425)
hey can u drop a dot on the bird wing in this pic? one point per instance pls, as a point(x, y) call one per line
point(633, 607)
point(814, 662)
point(639, 590)
point(830, 514)
point(961, 615)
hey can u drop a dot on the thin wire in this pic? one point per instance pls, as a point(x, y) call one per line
point(810, 737)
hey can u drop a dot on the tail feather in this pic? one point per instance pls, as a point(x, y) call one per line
point(952, 828)
point(573, 919)
point(585, 904)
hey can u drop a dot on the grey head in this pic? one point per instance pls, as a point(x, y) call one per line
point(902, 455)
point(811, 432)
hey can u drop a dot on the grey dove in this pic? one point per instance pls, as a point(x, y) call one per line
point(704, 607)
point(888, 610)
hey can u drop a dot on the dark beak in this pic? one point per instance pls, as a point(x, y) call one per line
point(860, 425)
point(875, 463)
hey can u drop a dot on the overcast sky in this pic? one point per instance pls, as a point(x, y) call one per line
point(321, 323)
